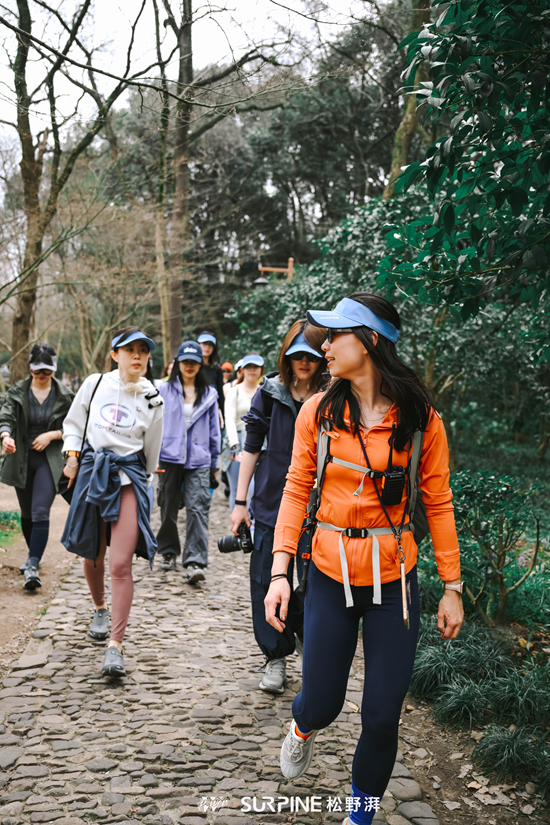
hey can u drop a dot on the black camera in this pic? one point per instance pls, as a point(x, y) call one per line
point(393, 485)
point(242, 541)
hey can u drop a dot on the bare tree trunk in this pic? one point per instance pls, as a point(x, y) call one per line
point(410, 121)
point(180, 223)
point(163, 286)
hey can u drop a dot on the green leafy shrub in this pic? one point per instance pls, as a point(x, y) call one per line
point(522, 698)
point(462, 702)
point(509, 753)
point(493, 514)
point(10, 523)
point(475, 654)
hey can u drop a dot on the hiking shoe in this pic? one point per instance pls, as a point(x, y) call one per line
point(113, 664)
point(194, 574)
point(273, 680)
point(99, 628)
point(28, 563)
point(168, 561)
point(32, 579)
point(296, 753)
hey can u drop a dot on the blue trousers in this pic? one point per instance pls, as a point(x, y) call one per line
point(330, 639)
point(274, 645)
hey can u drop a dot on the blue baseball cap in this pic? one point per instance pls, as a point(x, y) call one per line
point(207, 337)
point(301, 345)
point(122, 340)
point(351, 314)
point(252, 360)
point(190, 351)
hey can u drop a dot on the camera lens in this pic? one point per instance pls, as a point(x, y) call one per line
point(228, 544)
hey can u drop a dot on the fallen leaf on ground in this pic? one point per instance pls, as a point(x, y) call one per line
point(475, 785)
point(451, 806)
point(454, 756)
point(352, 705)
point(465, 769)
point(527, 810)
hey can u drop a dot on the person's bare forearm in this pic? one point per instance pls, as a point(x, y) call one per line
point(246, 471)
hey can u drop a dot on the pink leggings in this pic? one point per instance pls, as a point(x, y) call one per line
point(124, 537)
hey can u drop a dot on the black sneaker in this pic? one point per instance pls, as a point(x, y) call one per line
point(32, 579)
point(113, 664)
point(168, 561)
point(99, 628)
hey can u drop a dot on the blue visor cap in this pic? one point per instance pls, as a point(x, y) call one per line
point(190, 351)
point(350, 313)
point(122, 340)
point(301, 345)
point(207, 338)
point(252, 361)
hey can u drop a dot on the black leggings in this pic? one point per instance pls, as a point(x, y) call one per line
point(35, 500)
point(330, 639)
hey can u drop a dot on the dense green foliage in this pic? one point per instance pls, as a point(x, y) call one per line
point(488, 171)
point(472, 681)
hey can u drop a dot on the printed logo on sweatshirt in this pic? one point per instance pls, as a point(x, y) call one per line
point(117, 415)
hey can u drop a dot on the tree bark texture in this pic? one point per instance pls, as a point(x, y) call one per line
point(180, 220)
point(410, 121)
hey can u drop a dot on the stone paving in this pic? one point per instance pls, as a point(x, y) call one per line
point(187, 734)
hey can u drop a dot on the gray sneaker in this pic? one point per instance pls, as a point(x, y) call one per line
point(273, 680)
point(32, 578)
point(296, 753)
point(194, 574)
point(99, 628)
point(113, 664)
point(168, 561)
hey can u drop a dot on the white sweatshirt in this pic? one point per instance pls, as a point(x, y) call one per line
point(122, 419)
point(237, 404)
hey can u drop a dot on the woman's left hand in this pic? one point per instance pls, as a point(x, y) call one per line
point(450, 615)
point(41, 441)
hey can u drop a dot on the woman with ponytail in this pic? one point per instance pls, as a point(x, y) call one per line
point(374, 418)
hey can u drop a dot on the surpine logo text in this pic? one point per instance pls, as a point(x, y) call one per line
point(118, 415)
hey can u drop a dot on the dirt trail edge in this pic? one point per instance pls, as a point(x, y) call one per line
point(187, 737)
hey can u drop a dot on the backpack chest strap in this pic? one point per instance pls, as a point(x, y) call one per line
point(363, 533)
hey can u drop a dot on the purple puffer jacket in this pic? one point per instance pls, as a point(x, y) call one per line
point(200, 447)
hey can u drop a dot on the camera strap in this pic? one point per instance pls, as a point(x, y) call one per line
point(397, 532)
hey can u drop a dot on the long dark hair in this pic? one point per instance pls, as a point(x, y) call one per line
point(201, 384)
point(314, 337)
point(400, 383)
point(214, 358)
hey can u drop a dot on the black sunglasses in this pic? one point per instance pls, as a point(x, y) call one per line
point(331, 332)
point(43, 372)
point(299, 356)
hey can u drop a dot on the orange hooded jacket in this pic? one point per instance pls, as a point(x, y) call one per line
point(340, 507)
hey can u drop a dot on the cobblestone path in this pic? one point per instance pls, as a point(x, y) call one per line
point(188, 722)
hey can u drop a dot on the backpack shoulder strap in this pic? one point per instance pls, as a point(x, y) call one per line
point(323, 455)
point(418, 440)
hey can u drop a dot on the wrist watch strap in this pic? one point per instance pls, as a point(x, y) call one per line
point(458, 587)
point(240, 503)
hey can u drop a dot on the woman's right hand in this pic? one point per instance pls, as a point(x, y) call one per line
point(71, 471)
point(239, 514)
point(8, 444)
point(278, 593)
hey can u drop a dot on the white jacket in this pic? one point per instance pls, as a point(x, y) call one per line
point(122, 419)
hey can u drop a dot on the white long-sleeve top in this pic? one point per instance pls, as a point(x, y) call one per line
point(237, 404)
point(122, 419)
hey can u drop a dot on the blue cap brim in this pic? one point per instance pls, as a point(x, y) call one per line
point(303, 348)
point(134, 336)
point(206, 339)
point(330, 320)
point(256, 361)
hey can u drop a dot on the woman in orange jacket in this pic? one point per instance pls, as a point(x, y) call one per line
point(363, 563)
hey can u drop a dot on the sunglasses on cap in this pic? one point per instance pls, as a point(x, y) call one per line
point(299, 356)
point(332, 332)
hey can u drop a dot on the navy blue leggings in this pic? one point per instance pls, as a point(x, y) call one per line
point(330, 640)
